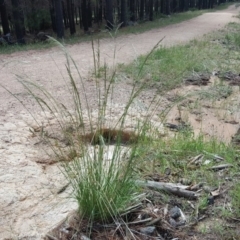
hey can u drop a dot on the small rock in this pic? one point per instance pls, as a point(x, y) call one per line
point(175, 212)
point(207, 189)
point(173, 222)
point(147, 230)
point(83, 237)
point(167, 171)
point(180, 223)
point(185, 181)
point(210, 200)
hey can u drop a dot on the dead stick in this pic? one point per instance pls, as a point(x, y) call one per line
point(170, 188)
point(220, 167)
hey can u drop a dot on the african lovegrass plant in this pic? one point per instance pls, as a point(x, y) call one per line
point(102, 177)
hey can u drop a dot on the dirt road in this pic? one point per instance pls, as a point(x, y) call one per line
point(29, 206)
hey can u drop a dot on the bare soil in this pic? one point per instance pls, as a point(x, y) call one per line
point(29, 204)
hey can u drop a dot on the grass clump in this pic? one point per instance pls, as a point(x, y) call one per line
point(103, 189)
point(102, 176)
point(235, 204)
point(175, 153)
point(216, 92)
point(232, 37)
point(8, 49)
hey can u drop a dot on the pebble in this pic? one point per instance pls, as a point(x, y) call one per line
point(147, 230)
point(173, 222)
point(83, 237)
point(210, 200)
point(206, 189)
point(175, 212)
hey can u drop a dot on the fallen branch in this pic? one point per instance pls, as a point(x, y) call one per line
point(126, 223)
point(140, 221)
point(178, 190)
point(196, 160)
point(220, 167)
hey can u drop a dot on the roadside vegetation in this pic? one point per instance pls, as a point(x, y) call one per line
point(115, 174)
point(169, 66)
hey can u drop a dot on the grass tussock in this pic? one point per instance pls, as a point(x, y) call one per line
point(102, 177)
point(103, 190)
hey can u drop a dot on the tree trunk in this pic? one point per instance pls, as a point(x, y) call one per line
point(76, 15)
point(132, 10)
point(4, 18)
point(59, 18)
point(84, 10)
point(80, 16)
point(89, 14)
point(52, 15)
point(175, 6)
point(205, 4)
point(192, 3)
point(163, 6)
point(70, 9)
point(167, 11)
point(123, 13)
point(18, 21)
point(65, 17)
point(156, 7)
point(146, 8)
point(181, 5)
point(211, 3)
point(200, 4)
point(31, 18)
point(109, 14)
point(186, 7)
point(150, 5)
point(141, 11)
point(100, 12)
